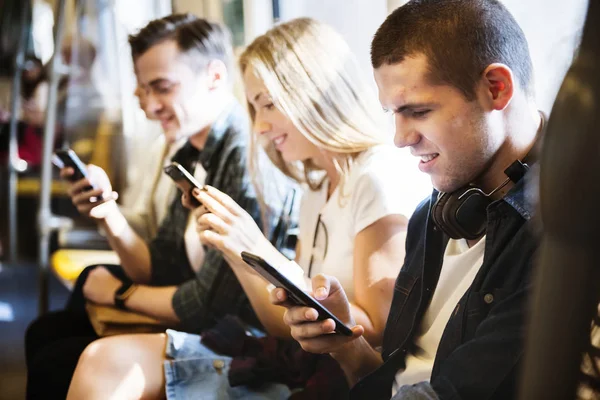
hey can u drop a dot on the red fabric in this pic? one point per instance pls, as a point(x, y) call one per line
point(267, 359)
point(30, 146)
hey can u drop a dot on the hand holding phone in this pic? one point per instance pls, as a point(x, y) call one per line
point(295, 294)
point(68, 158)
point(184, 180)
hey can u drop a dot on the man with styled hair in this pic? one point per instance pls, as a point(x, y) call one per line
point(183, 65)
point(457, 75)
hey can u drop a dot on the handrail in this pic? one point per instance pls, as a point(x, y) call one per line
point(15, 163)
point(47, 222)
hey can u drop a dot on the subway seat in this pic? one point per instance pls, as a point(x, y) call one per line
point(67, 264)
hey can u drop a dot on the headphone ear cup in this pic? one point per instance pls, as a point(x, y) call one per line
point(461, 214)
point(451, 225)
point(439, 213)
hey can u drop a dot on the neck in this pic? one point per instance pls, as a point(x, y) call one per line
point(325, 162)
point(522, 129)
point(198, 140)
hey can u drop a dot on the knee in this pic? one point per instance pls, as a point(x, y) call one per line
point(100, 356)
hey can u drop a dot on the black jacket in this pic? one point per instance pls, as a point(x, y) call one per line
point(482, 344)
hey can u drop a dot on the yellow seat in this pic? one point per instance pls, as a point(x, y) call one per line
point(67, 264)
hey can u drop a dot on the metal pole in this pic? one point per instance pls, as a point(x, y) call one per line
point(276, 12)
point(46, 221)
point(15, 164)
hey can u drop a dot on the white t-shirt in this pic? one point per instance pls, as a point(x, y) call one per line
point(383, 181)
point(193, 246)
point(459, 268)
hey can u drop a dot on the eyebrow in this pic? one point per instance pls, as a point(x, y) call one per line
point(258, 96)
point(411, 106)
point(158, 81)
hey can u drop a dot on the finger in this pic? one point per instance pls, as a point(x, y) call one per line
point(201, 228)
point(322, 285)
point(96, 208)
point(279, 297)
point(212, 239)
point(185, 200)
point(199, 211)
point(311, 330)
point(195, 193)
point(79, 186)
point(214, 206)
point(222, 198)
point(328, 343)
point(65, 173)
point(214, 223)
point(85, 197)
point(300, 315)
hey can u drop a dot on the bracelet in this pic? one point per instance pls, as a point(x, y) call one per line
point(123, 293)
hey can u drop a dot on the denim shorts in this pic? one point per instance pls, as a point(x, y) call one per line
point(193, 371)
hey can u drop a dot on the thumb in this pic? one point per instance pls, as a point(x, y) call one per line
point(324, 286)
point(357, 331)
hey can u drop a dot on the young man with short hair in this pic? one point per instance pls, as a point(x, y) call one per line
point(458, 77)
point(183, 65)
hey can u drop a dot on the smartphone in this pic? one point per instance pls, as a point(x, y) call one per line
point(184, 180)
point(68, 158)
point(295, 294)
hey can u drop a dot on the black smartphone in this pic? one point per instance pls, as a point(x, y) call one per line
point(295, 294)
point(68, 158)
point(184, 180)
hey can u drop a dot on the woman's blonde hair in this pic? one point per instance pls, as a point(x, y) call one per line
point(313, 78)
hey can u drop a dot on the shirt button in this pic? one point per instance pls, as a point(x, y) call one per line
point(218, 364)
point(488, 298)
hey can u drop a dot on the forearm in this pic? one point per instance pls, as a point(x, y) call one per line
point(269, 315)
point(131, 249)
point(155, 302)
point(357, 359)
point(373, 335)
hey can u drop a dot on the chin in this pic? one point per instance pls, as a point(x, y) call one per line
point(172, 136)
point(290, 157)
point(445, 185)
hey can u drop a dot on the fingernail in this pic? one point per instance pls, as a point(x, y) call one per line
point(279, 294)
point(308, 314)
point(321, 293)
point(196, 191)
point(204, 188)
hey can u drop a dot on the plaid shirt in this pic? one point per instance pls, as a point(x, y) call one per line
point(214, 292)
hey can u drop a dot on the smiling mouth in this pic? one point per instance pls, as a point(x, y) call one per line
point(429, 157)
point(167, 121)
point(278, 141)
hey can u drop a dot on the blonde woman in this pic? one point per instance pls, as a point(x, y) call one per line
point(315, 118)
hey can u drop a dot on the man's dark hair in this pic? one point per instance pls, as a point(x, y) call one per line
point(197, 38)
point(460, 38)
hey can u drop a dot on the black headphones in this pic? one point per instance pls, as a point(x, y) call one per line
point(463, 214)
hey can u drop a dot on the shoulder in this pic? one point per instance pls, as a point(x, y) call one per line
point(388, 174)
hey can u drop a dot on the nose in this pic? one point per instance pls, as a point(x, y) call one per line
point(151, 105)
point(406, 135)
point(261, 126)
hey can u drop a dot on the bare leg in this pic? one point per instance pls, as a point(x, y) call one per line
point(121, 367)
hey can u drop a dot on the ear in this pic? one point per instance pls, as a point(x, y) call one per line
point(499, 86)
point(217, 74)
